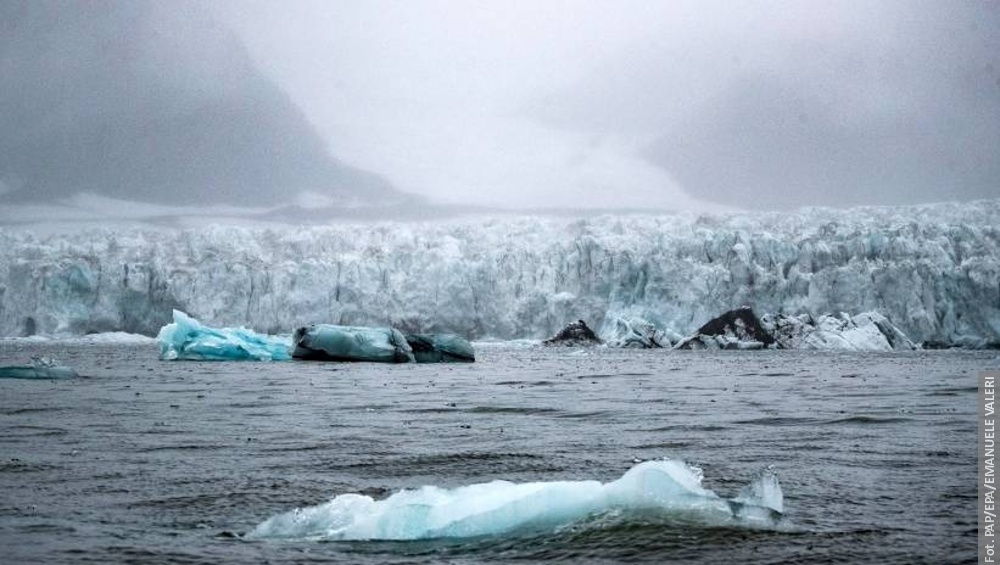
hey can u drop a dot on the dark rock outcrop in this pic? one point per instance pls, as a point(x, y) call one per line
point(575, 334)
point(155, 102)
point(735, 329)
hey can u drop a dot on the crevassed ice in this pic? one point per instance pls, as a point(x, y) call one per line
point(499, 507)
point(933, 270)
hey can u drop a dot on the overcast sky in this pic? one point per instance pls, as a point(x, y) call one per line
point(647, 103)
point(668, 104)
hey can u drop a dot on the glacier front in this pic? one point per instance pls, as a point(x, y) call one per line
point(933, 271)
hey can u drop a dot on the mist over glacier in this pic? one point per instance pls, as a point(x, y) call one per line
point(934, 270)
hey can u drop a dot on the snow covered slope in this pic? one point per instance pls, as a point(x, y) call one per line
point(933, 270)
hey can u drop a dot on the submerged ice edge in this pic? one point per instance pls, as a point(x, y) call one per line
point(652, 488)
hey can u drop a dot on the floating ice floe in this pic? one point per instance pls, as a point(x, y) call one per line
point(100, 338)
point(651, 488)
point(575, 334)
point(638, 333)
point(188, 339)
point(868, 331)
point(109, 338)
point(735, 329)
point(40, 368)
point(742, 329)
point(326, 342)
point(440, 348)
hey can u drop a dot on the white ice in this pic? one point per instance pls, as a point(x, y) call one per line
point(650, 488)
point(933, 270)
point(868, 331)
point(105, 338)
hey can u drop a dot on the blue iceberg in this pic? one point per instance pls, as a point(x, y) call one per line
point(667, 488)
point(187, 339)
point(326, 342)
point(440, 348)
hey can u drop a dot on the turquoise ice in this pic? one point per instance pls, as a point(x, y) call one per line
point(188, 339)
point(326, 342)
point(441, 348)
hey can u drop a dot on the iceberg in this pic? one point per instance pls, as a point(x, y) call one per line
point(933, 270)
point(742, 329)
point(40, 368)
point(440, 348)
point(575, 334)
point(735, 329)
point(326, 342)
point(188, 339)
point(868, 331)
point(665, 487)
point(637, 333)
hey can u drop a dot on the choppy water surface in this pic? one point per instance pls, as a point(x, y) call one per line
point(147, 461)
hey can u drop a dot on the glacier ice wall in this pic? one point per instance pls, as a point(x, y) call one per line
point(933, 270)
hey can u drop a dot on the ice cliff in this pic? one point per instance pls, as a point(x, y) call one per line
point(933, 270)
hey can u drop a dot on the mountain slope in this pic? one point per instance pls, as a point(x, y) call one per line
point(152, 101)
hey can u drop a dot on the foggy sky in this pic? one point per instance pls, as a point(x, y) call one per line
point(571, 103)
point(150, 101)
point(648, 103)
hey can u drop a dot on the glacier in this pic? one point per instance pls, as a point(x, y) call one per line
point(650, 488)
point(933, 270)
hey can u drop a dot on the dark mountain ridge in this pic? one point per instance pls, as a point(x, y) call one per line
point(153, 101)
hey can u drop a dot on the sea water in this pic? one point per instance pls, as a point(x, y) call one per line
point(142, 460)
